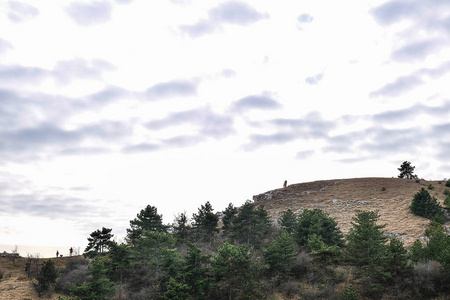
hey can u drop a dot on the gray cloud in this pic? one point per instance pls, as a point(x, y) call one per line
point(303, 19)
point(416, 51)
point(63, 72)
point(400, 86)
point(174, 88)
point(304, 154)
point(90, 13)
point(209, 123)
point(231, 12)
point(142, 147)
point(260, 140)
point(5, 46)
point(255, 102)
point(314, 79)
point(19, 11)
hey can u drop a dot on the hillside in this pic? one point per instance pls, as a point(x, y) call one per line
point(341, 198)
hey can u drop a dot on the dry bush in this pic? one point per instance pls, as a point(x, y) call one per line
point(427, 277)
point(75, 273)
point(301, 264)
point(290, 288)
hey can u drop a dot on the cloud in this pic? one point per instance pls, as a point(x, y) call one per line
point(416, 51)
point(90, 13)
point(314, 79)
point(5, 46)
point(304, 154)
point(174, 88)
point(64, 71)
point(20, 12)
point(400, 86)
point(142, 147)
point(260, 140)
point(261, 102)
point(209, 123)
point(231, 12)
point(304, 19)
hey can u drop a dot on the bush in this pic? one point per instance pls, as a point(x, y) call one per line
point(447, 202)
point(424, 205)
point(447, 183)
point(426, 277)
point(430, 187)
point(350, 294)
point(383, 189)
point(320, 223)
point(46, 277)
point(75, 273)
point(446, 192)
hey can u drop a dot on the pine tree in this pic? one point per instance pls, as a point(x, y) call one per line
point(98, 242)
point(46, 277)
point(148, 219)
point(406, 170)
point(98, 287)
point(320, 223)
point(205, 222)
point(280, 253)
point(397, 258)
point(424, 205)
point(181, 227)
point(228, 214)
point(366, 242)
point(288, 221)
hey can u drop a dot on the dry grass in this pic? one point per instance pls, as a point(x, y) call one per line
point(17, 285)
point(344, 197)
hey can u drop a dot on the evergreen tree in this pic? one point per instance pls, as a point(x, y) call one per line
point(46, 277)
point(234, 271)
point(366, 242)
point(176, 291)
point(320, 223)
point(195, 272)
point(181, 227)
point(424, 205)
point(205, 222)
point(280, 253)
point(98, 242)
point(98, 287)
point(397, 258)
point(250, 224)
point(148, 219)
point(288, 221)
point(406, 170)
point(228, 214)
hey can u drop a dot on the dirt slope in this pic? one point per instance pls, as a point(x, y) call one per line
point(342, 198)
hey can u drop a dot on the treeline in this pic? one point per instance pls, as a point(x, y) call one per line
point(240, 253)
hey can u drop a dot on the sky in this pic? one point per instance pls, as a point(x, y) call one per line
point(108, 106)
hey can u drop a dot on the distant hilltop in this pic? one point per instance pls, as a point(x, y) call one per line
point(342, 198)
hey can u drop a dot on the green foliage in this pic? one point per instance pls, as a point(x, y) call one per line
point(234, 271)
point(176, 291)
point(447, 202)
point(320, 223)
point(446, 192)
point(383, 189)
point(280, 253)
point(322, 251)
point(366, 242)
point(424, 205)
point(447, 183)
point(288, 221)
point(228, 214)
point(147, 219)
point(98, 242)
point(250, 224)
point(438, 248)
point(46, 277)
point(205, 222)
point(181, 227)
point(195, 271)
point(350, 294)
point(433, 228)
point(416, 252)
point(430, 187)
point(406, 170)
point(397, 261)
point(98, 287)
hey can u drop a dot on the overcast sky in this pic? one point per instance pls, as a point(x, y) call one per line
point(107, 106)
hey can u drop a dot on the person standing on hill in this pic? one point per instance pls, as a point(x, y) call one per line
point(57, 253)
point(285, 184)
point(70, 251)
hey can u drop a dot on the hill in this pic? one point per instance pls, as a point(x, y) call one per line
point(342, 198)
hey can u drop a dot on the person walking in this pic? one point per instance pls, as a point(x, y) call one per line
point(70, 250)
point(57, 253)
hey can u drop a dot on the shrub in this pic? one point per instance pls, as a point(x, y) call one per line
point(383, 188)
point(46, 277)
point(430, 187)
point(447, 202)
point(446, 192)
point(350, 294)
point(427, 276)
point(75, 273)
point(447, 183)
point(320, 223)
point(424, 205)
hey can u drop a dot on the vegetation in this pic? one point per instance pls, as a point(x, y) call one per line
point(406, 170)
point(46, 278)
point(424, 205)
point(303, 256)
